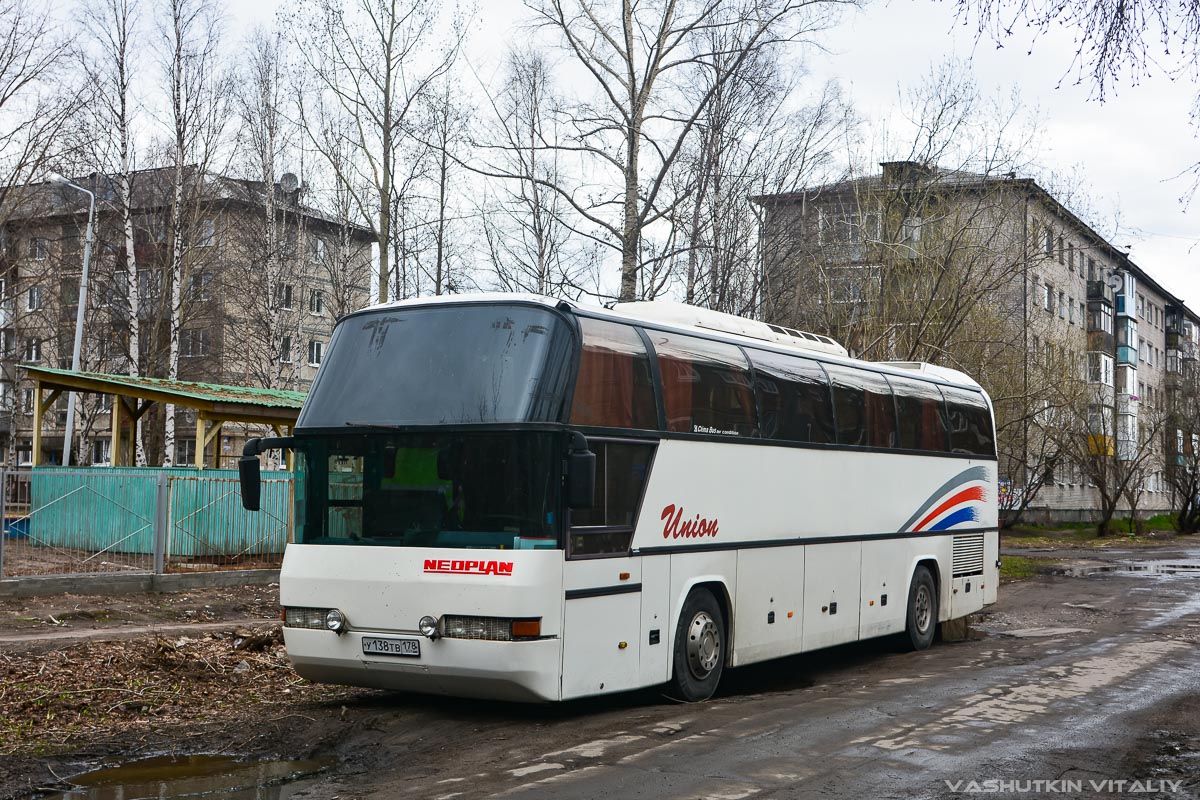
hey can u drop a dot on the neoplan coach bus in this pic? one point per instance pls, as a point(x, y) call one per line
point(515, 497)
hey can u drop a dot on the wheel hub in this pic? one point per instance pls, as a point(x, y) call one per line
point(703, 645)
point(923, 608)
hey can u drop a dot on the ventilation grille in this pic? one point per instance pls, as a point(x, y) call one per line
point(968, 555)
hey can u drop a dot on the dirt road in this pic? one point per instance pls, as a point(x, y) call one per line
point(1079, 682)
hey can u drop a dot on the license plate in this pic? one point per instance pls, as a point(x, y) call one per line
point(375, 646)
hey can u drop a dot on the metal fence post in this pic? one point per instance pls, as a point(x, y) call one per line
point(161, 516)
point(3, 516)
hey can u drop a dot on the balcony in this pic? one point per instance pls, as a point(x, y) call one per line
point(1127, 403)
point(1127, 355)
point(1101, 342)
point(1101, 291)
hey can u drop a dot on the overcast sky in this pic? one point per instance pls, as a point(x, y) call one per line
point(1127, 149)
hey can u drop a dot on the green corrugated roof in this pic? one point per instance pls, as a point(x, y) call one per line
point(207, 392)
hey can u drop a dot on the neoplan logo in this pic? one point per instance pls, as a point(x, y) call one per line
point(455, 567)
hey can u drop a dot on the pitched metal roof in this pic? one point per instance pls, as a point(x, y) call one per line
point(232, 402)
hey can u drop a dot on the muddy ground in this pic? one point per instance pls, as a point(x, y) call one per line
point(1074, 676)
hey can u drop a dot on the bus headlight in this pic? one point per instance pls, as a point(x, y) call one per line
point(335, 621)
point(428, 626)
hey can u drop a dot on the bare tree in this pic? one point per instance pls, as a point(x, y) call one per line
point(198, 94)
point(752, 141)
point(445, 129)
point(113, 26)
point(371, 64)
point(38, 98)
point(636, 56)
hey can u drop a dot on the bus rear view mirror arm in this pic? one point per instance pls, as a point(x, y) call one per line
point(248, 467)
point(581, 474)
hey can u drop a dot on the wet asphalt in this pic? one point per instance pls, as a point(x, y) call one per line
point(1082, 684)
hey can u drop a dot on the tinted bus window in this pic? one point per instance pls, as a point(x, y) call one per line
point(614, 388)
point(970, 422)
point(474, 363)
point(706, 386)
point(863, 408)
point(922, 415)
point(607, 527)
point(793, 396)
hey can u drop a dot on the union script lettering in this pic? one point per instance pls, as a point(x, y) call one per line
point(677, 527)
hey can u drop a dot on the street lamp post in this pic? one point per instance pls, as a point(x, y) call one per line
point(69, 435)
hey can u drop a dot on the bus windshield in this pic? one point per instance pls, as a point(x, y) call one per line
point(490, 490)
point(475, 363)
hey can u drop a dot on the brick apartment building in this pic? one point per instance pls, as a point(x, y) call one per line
point(993, 275)
point(255, 304)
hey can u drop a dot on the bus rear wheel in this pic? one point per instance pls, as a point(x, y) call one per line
point(922, 610)
point(699, 657)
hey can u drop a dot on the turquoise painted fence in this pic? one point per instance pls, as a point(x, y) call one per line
point(112, 509)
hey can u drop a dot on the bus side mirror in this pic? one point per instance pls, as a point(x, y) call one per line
point(248, 472)
point(581, 474)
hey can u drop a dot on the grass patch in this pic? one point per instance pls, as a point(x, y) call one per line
point(1161, 522)
point(1017, 568)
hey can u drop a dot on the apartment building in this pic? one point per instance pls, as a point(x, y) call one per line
point(242, 286)
point(1085, 353)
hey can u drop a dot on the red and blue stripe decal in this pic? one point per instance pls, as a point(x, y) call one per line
point(955, 502)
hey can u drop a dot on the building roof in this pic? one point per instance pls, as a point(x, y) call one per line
point(240, 403)
point(150, 190)
point(952, 179)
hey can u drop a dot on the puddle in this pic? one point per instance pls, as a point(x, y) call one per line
point(195, 776)
point(1178, 567)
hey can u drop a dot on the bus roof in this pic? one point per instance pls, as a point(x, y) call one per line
point(694, 320)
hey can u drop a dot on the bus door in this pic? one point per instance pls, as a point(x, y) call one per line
point(603, 582)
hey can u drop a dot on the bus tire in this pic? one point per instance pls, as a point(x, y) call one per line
point(922, 610)
point(699, 657)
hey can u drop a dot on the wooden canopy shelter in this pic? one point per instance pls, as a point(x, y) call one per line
point(215, 405)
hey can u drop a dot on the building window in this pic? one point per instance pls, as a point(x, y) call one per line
point(1071, 310)
point(38, 249)
point(25, 452)
point(193, 342)
point(1071, 256)
point(185, 451)
point(1092, 269)
point(27, 401)
point(198, 286)
point(315, 351)
point(206, 236)
point(284, 296)
point(316, 301)
point(910, 230)
point(1062, 303)
point(33, 298)
point(33, 349)
point(1049, 241)
point(285, 350)
point(100, 452)
point(1048, 298)
point(1060, 249)
point(316, 249)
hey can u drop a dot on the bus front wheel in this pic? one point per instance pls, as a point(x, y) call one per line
point(922, 609)
point(699, 655)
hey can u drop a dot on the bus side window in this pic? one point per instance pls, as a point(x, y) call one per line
point(621, 472)
point(793, 395)
point(614, 388)
point(922, 415)
point(706, 386)
point(863, 407)
point(970, 422)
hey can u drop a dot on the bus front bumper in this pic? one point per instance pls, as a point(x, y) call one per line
point(520, 671)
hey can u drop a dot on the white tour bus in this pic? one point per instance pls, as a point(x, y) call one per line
point(510, 496)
